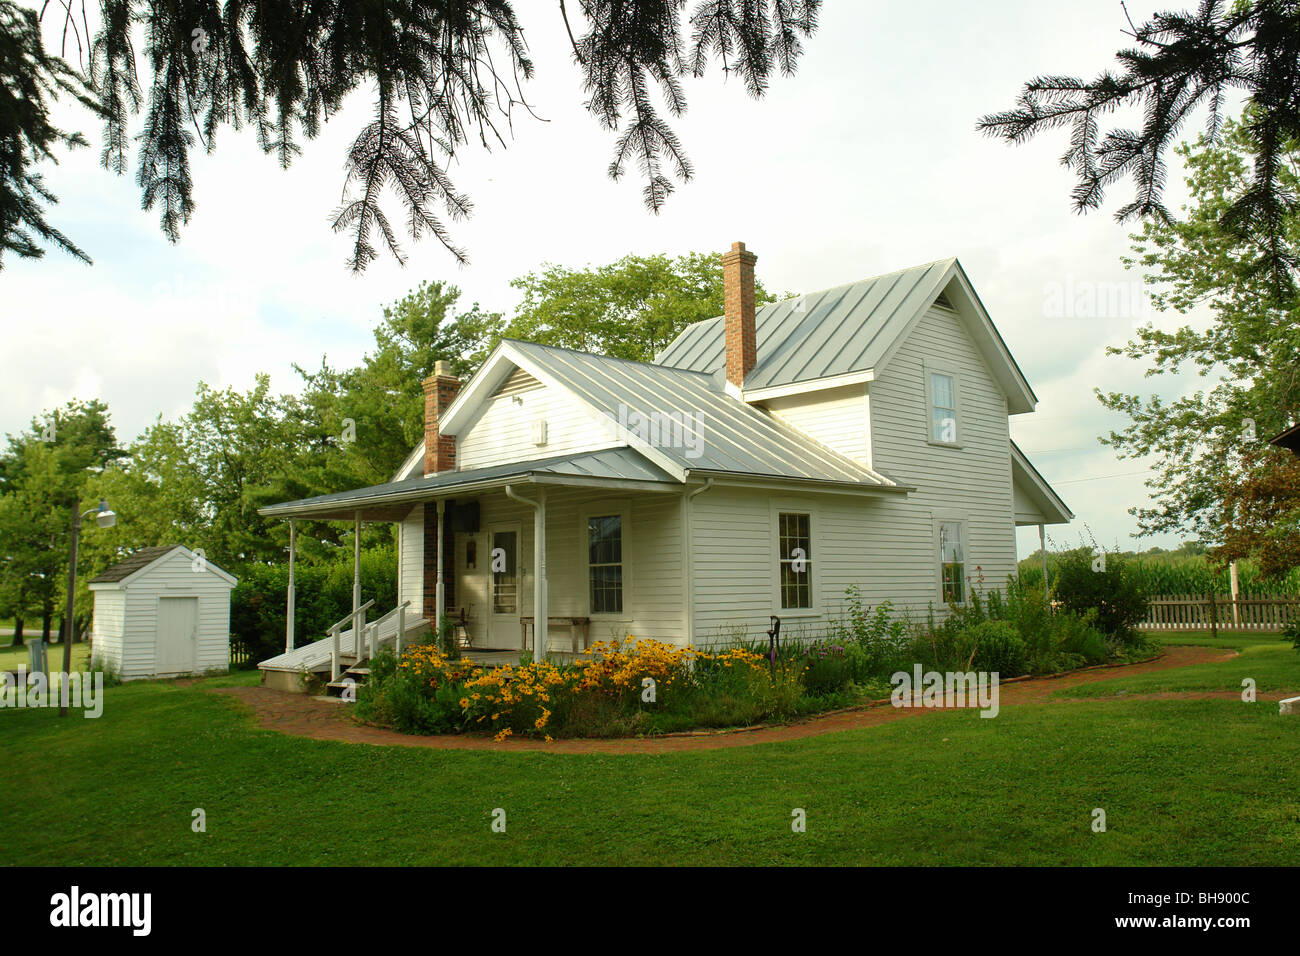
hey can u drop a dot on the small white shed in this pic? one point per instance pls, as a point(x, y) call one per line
point(162, 612)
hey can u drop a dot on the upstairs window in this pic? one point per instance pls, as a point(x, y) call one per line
point(943, 408)
point(794, 559)
point(952, 562)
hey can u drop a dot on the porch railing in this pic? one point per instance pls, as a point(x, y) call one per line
point(375, 640)
point(358, 619)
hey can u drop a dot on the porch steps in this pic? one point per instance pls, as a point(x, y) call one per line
point(353, 676)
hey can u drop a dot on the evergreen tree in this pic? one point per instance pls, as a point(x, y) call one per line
point(444, 73)
point(1183, 62)
point(1203, 441)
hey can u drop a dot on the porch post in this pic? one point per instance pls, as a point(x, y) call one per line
point(440, 601)
point(289, 613)
point(541, 620)
point(356, 582)
point(1042, 545)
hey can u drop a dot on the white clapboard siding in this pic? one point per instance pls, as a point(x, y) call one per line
point(410, 573)
point(106, 628)
point(838, 418)
point(886, 546)
point(173, 575)
point(973, 482)
point(505, 431)
point(652, 585)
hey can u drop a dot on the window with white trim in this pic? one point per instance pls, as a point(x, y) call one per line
point(605, 563)
point(943, 408)
point(952, 562)
point(794, 558)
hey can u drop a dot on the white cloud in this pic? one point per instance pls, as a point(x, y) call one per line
point(866, 161)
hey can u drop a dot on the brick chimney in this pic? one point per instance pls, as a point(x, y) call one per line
point(738, 297)
point(440, 390)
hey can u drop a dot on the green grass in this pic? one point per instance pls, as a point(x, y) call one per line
point(1182, 782)
point(11, 657)
point(1272, 663)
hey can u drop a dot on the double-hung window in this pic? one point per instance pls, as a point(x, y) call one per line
point(943, 408)
point(794, 558)
point(605, 563)
point(952, 562)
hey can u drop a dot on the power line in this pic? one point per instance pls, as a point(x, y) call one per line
point(1075, 481)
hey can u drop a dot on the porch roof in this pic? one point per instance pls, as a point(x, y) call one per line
point(392, 501)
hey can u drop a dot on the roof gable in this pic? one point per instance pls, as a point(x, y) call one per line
point(137, 562)
point(851, 329)
point(1025, 477)
point(639, 400)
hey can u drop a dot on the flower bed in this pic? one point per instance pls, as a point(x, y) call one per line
point(614, 689)
point(647, 687)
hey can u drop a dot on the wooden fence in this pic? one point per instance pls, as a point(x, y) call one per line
point(1210, 612)
point(239, 654)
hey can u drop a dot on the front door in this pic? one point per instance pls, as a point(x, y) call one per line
point(175, 648)
point(504, 586)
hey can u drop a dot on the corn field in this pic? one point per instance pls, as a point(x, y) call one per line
point(1159, 576)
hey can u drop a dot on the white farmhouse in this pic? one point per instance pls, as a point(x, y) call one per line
point(162, 612)
point(764, 462)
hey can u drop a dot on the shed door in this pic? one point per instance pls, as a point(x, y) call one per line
point(176, 643)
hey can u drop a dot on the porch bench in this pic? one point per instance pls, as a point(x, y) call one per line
point(577, 626)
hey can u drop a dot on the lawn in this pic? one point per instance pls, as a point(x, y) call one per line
point(1196, 782)
point(11, 657)
point(1272, 663)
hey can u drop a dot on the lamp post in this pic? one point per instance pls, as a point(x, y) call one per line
point(105, 519)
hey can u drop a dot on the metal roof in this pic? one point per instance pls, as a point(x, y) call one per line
point(1051, 504)
point(392, 500)
point(845, 329)
point(728, 436)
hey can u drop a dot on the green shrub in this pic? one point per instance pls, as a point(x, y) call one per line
point(998, 647)
point(1292, 633)
point(1105, 584)
point(324, 595)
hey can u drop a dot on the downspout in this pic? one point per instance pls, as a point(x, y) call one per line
point(688, 559)
point(541, 617)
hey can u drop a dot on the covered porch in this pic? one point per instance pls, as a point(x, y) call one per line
point(592, 544)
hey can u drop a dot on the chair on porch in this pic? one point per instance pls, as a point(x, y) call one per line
point(460, 626)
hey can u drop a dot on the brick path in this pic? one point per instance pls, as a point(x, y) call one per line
point(304, 716)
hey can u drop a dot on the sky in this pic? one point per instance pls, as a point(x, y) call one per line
point(864, 162)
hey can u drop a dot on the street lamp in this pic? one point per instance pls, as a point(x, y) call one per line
point(105, 518)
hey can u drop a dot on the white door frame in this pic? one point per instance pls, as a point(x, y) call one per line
point(188, 661)
point(503, 629)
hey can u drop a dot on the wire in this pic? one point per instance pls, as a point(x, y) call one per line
point(1075, 481)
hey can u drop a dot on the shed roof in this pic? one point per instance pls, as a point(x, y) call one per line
point(1024, 475)
point(140, 559)
point(132, 563)
point(392, 501)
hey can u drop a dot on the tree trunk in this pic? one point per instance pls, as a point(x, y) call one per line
point(47, 615)
point(18, 632)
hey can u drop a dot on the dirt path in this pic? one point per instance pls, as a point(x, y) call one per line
point(303, 716)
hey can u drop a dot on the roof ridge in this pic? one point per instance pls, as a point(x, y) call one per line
point(829, 288)
point(611, 358)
